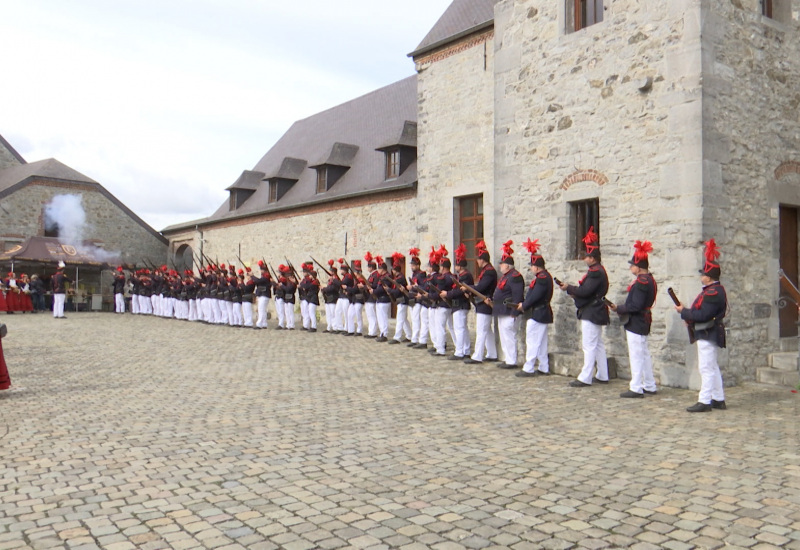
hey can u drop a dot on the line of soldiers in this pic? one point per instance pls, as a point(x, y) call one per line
point(436, 300)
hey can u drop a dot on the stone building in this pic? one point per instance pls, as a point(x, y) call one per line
point(26, 190)
point(673, 122)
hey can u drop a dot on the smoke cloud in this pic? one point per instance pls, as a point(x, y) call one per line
point(65, 215)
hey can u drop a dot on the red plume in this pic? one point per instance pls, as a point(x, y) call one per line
point(331, 262)
point(341, 261)
point(531, 246)
point(368, 257)
point(433, 257)
point(397, 259)
point(414, 252)
point(480, 247)
point(591, 238)
point(442, 252)
point(507, 250)
point(712, 252)
point(461, 253)
point(379, 260)
point(641, 249)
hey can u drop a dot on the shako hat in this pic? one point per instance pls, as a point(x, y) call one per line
point(592, 243)
point(711, 267)
point(508, 253)
point(640, 251)
point(461, 255)
point(481, 251)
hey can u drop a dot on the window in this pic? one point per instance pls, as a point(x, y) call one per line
point(322, 179)
point(273, 191)
point(392, 164)
point(585, 214)
point(51, 229)
point(766, 8)
point(470, 227)
point(583, 13)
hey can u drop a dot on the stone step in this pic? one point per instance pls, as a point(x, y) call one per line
point(784, 361)
point(777, 377)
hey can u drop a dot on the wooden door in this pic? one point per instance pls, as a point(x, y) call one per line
point(789, 264)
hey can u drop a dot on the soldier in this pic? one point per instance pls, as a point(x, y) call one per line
point(331, 295)
point(400, 295)
point(444, 283)
point(485, 345)
point(636, 317)
point(119, 290)
point(280, 306)
point(133, 281)
point(311, 292)
point(419, 313)
point(383, 306)
point(263, 292)
point(59, 291)
point(234, 281)
point(592, 312)
point(301, 293)
point(539, 314)
point(507, 296)
point(460, 305)
point(705, 321)
point(289, 286)
point(343, 303)
point(247, 285)
point(356, 297)
point(371, 303)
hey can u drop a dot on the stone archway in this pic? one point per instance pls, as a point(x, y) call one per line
point(184, 258)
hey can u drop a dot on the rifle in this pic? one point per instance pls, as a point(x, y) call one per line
point(322, 267)
point(296, 276)
point(677, 302)
point(475, 293)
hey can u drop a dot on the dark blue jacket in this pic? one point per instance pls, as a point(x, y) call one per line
point(708, 309)
point(588, 296)
point(511, 285)
point(537, 300)
point(487, 282)
point(641, 296)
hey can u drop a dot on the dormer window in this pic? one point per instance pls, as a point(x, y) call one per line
point(278, 187)
point(392, 163)
point(322, 179)
point(273, 191)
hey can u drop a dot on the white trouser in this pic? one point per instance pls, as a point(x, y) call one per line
point(448, 324)
point(594, 352)
point(247, 313)
point(193, 310)
point(119, 302)
point(263, 304)
point(372, 318)
point(439, 332)
point(462, 332)
point(342, 304)
point(58, 304)
point(415, 323)
point(401, 322)
point(507, 326)
point(154, 304)
point(144, 305)
point(229, 306)
point(355, 321)
point(382, 312)
point(289, 314)
point(304, 313)
point(710, 376)
point(280, 311)
point(330, 317)
point(432, 325)
point(208, 310)
point(135, 304)
point(536, 346)
point(641, 363)
point(169, 307)
point(236, 310)
point(312, 315)
point(424, 325)
point(484, 338)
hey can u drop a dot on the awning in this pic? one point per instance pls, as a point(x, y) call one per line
point(50, 250)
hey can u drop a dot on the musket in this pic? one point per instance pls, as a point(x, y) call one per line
point(677, 302)
point(296, 276)
point(322, 267)
point(474, 292)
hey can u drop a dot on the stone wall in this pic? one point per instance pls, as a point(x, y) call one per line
point(7, 160)
point(380, 226)
point(455, 141)
point(112, 228)
point(751, 149)
point(609, 112)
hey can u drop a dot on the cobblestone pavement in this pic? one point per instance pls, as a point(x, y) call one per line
point(134, 432)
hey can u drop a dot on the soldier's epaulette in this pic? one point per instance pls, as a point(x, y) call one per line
point(643, 279)
point(518, 277)
point(711, 293)
point(541, 276)
point(594, 268)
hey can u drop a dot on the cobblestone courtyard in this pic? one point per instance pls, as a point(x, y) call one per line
point(134, 432)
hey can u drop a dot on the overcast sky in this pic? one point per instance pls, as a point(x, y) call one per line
point(165, 102)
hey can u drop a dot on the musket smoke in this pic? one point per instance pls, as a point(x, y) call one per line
point(65, 215)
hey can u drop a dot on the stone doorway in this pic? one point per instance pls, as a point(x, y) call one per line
point(790, 265)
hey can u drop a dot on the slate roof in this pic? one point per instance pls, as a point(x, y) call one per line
point(461, 18)
point(347, 135)
point(11, 150)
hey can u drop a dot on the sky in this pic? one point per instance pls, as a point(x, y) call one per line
point(166, 102)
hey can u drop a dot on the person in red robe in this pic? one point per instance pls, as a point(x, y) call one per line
point(26, 304)
point(5, 379)
point(12, 293)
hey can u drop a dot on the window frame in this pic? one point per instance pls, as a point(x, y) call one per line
point(392, 164)
point(767, 9)
point(585, 13)
point(476, 217)
point(583, 215)
point(273, 192)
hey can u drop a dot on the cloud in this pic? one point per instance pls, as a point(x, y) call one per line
point(165, 103)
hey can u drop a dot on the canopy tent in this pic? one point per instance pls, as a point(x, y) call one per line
point(48, 251)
